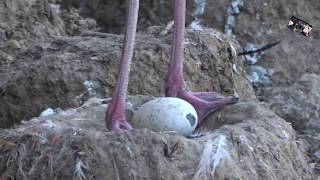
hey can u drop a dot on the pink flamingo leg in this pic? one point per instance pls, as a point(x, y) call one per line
point(115, 115)
point(203, 102)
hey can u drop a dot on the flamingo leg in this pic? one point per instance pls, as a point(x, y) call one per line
point(115, 115)
point(203, 102)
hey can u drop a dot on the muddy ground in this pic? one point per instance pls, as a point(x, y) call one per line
point(51, 57)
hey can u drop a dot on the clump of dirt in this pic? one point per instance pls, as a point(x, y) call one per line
point(75, 24)
point(68, 71)
point(300, 105)
point(23, 23)
point(253, 143)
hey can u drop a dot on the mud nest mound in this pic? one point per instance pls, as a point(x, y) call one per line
point(252, 143)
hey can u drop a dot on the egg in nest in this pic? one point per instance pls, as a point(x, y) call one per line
point(166, 114)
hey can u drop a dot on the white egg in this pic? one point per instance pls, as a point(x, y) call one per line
point(166, 114)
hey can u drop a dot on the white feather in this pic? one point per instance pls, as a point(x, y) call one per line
point(213, 154)
point(200, 6)
point(199, 10)
point(204, 167)
point(220, 151)
point(196, 25)
point(78, 172)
